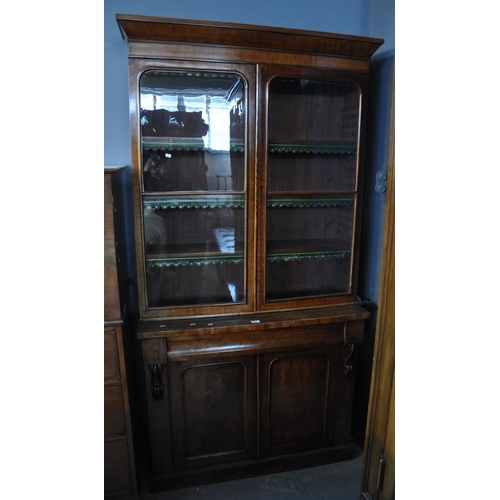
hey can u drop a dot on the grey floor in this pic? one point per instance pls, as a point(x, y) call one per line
point(338, 481)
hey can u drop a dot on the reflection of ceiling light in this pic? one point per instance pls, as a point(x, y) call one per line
point(213, 94)
point(210, 84)
point(232, 291)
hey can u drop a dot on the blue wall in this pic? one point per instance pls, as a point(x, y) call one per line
point(381, 25)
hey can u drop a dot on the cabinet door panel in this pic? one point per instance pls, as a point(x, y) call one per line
point(213, 405)
point(298, 401)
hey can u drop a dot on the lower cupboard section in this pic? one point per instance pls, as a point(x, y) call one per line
point(223, 417)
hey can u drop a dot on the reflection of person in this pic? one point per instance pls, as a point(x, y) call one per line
point(156, 174)
point(155, 228)
point(174, 173)
point(155, 166)
point(155, 238)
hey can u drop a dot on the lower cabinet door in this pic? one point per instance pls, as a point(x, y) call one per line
point(298, 393)
point(213, 405)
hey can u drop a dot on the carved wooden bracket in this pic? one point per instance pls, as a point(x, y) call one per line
point(348, 361)
point(156, 382)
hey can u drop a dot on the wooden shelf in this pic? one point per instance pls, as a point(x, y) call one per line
point(195, 201)
point(309, 202)
point(298, 256)
point(312, 148)
point(173, 144)
point(197, 260)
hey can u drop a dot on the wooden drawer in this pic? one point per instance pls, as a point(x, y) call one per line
point(111, 361)
point(117, 477)
point(114, 416)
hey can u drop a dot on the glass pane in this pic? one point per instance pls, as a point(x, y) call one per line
point(312, 161)
point(313, 134)
point(309, 246)
point(193, 129)
point(193, 139)
point(194, 250)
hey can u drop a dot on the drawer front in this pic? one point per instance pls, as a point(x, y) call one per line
point(111, 361)
point(117, 477)
point(111, 286)
point(114, 416)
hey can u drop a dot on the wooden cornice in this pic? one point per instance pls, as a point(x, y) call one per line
point(168, 30)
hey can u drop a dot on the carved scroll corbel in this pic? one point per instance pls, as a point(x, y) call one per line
point(156, 382)
point(348, 361)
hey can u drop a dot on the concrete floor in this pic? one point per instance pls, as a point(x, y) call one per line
point(338, 481)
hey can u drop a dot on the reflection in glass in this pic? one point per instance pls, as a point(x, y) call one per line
point(193, 127)
point(193, 138)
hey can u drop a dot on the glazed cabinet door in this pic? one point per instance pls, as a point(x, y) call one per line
point(194, 149)
point(213, 405)
point(310, 186)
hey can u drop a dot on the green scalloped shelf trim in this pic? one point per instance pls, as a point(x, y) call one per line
point(311, 148)
point(199, 203)
point(196, 261)
point(183, 144)
point(298, 256)
point(229, 76)
point(309, 203)
point(237, 147)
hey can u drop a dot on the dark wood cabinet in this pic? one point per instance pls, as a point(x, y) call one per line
point(119, 460)
point(248, 153)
